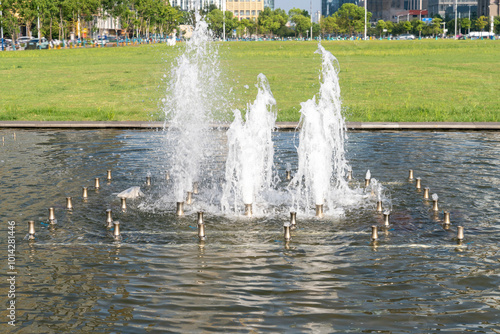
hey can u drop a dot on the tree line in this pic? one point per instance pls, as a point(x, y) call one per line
point(60, 18)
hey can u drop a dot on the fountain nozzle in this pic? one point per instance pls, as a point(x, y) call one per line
point(286, 230)
point(180, 209)
point(386, 219)
point(349, 175)
point(447, 218)
point(85, 194)
point(69, 203)
point(167, 176)
point(201, 226)
point(108, 177)
point(418, 184)
point(374, 233)
point(410, 176)
point(189, 198)
point(109, 219)
point(31, 230)
point(116, 230)
point(460, 233)
point(52, 216)
point(435, 205)
point(195, 188)
point(148, 180)
point(367, 182)
point(293, 220)
point(319, 211)
point(426, 193)
point(248, 210)
point(123, 203)
point(288, 175)
point(379, 206)
point(97, 185)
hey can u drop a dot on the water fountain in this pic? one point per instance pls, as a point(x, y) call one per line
point(250, 152)
point(154, 268)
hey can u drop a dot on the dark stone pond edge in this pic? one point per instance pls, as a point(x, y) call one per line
point(284, 126)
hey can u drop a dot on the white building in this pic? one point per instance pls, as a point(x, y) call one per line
point(191, 4)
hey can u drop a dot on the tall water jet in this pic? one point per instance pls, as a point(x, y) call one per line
point(193, 98)
point(322, 166)
point(250, 156)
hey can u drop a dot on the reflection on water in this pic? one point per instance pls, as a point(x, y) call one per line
point(244, 278)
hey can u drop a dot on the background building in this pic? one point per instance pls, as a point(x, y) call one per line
point(249, 10)
point(268, 3)
point(446, 8)
point(488, 8)
point(191, 4)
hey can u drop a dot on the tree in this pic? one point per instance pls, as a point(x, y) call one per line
point(302, 24)
point(419, 26)
point(466, 24)
point(482, 22)
point(329, 25)
point(496, 24)
point(271, 21)
point(351, 18)
point(436, 26)
point(381, 25)
point(216, 22)
point(407, 26)
point(389, 26)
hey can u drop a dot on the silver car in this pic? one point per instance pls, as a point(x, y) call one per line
point(406, 37)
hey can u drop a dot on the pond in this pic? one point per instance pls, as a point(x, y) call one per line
point(416, 278)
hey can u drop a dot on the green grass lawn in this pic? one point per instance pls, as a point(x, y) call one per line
point(427, 80)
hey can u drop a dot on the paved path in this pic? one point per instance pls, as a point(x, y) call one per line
point(376, 126)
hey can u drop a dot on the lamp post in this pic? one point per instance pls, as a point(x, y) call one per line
point(1, 27)
point(38, 28)
point(311, 20)
point(223, 21)
point(365, 18)
point(469, 21)
point(456, 6)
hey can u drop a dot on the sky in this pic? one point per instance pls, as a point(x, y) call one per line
point(302, 4)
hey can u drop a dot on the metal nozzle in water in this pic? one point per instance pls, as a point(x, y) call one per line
point(116, 230)
point(248, 210)
point(447, 218)
point(319, 210)
point(123, 203)
point(374, 233)
point(286, 229)
point(85, 193)
point(148, 180)
point(31, 230)
point(379, 206)
point(69, 203)
point(180, 209)
point(435, 205)
point(367, 182)
point(426, 193)
point(201, 226)
point(167, 176)
point(108, 177)
point(410, 176)
point(349, 175)
point(97, 185)
point(195, 188)
point(288, 175)
point(418, 184)
point(52, 216)
point(293, 220)
point(189, 198)
point(386, 219)
point(460, 233)
point(109, 219)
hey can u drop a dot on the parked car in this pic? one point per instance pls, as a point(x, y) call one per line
point(406, 37)
point(34, 44)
